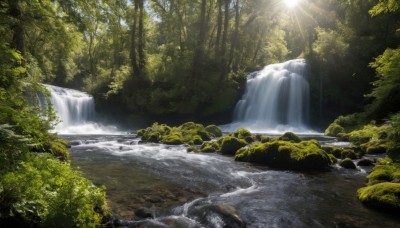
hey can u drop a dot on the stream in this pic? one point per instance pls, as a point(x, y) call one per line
point(183, 189)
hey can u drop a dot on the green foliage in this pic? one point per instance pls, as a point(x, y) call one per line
point(12, 148)
point(306, 155)
point(386, 87)
point(382, 196)
point(47, 192)
point(347, 163)
point(385, 6)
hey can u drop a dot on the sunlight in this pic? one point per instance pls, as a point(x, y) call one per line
point(291, 3)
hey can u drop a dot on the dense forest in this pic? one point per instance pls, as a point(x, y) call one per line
point(174, 60)
point(179, 58)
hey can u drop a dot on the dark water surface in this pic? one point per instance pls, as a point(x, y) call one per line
point(185, 189)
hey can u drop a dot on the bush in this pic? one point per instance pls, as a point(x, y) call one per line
point(47, 192)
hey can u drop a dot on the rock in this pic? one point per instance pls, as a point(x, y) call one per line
point(142, 213)
point(347, 163)
point(230, 145)
point(306, 155)
point(290, 136)
point(75, 143)
point(348, 153)
point(208, 147)
point(376, 150)
point(365, 162)
point(333, 130)
point(214, 130)
point(216, 215)
point(192, 149)
point(381, 196)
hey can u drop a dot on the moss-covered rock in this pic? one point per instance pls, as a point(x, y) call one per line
point(347, 163)
point(365, 162)
point(333, 159)
point(58, 148)
point(244, 134)
point(348, 153)
point(334, 129)
point(187, 133)
point(385, 171)
point(230, 145)
point(208, 147)
point(382, 196)
point(262, 138)
point(214, 130)
point(394, 152)
point(290, 136)
point(334, 150)
point(306, 155)
point(367, 133)
point(192, 149)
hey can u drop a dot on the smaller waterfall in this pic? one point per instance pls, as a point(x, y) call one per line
point(76, 111)
point(276, 100)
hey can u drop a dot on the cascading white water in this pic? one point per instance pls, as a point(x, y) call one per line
point(76, 111)
point(276, 100)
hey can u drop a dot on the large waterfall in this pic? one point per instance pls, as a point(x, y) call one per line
point(76, 111)
point(276, 100)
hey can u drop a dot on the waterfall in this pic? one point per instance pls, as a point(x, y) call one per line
point(276, 100)
point(76, 111)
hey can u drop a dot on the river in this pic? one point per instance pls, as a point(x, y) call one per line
point(183, 189)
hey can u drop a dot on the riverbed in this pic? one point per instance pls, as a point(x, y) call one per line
point(181, 189)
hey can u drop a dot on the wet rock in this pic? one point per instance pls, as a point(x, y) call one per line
point(75, 143)
point(142, 213)
point(365, 162)
point(347, 163)
point(216, 215)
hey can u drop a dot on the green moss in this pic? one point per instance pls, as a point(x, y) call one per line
point(394, 152)
point(197, 140)
point(334, 129)
point(172, 139)
point(58, 148)
point(382, 196)
point(230, 145)
point(384, 171)
point(189, 133)
point(367, 133)
point(290, 136)
point(348, 153)
point(306, 155)
point(192, 149)
point(214, 130)
point(209, 147)
point(334, 150)
point(347, 163)
point(332, 158)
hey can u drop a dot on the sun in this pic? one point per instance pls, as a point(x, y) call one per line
point(291, 3)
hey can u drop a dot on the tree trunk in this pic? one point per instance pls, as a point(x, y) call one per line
point(18, 38)
point(199, 51)
point(219, 31)
point(235, 35)
point(134, 62)
point(141, 44)
point(224, 42)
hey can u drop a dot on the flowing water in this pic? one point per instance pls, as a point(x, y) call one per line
point(180, 189)
point(276, 100)
point(210, 190)
point(76, 110)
